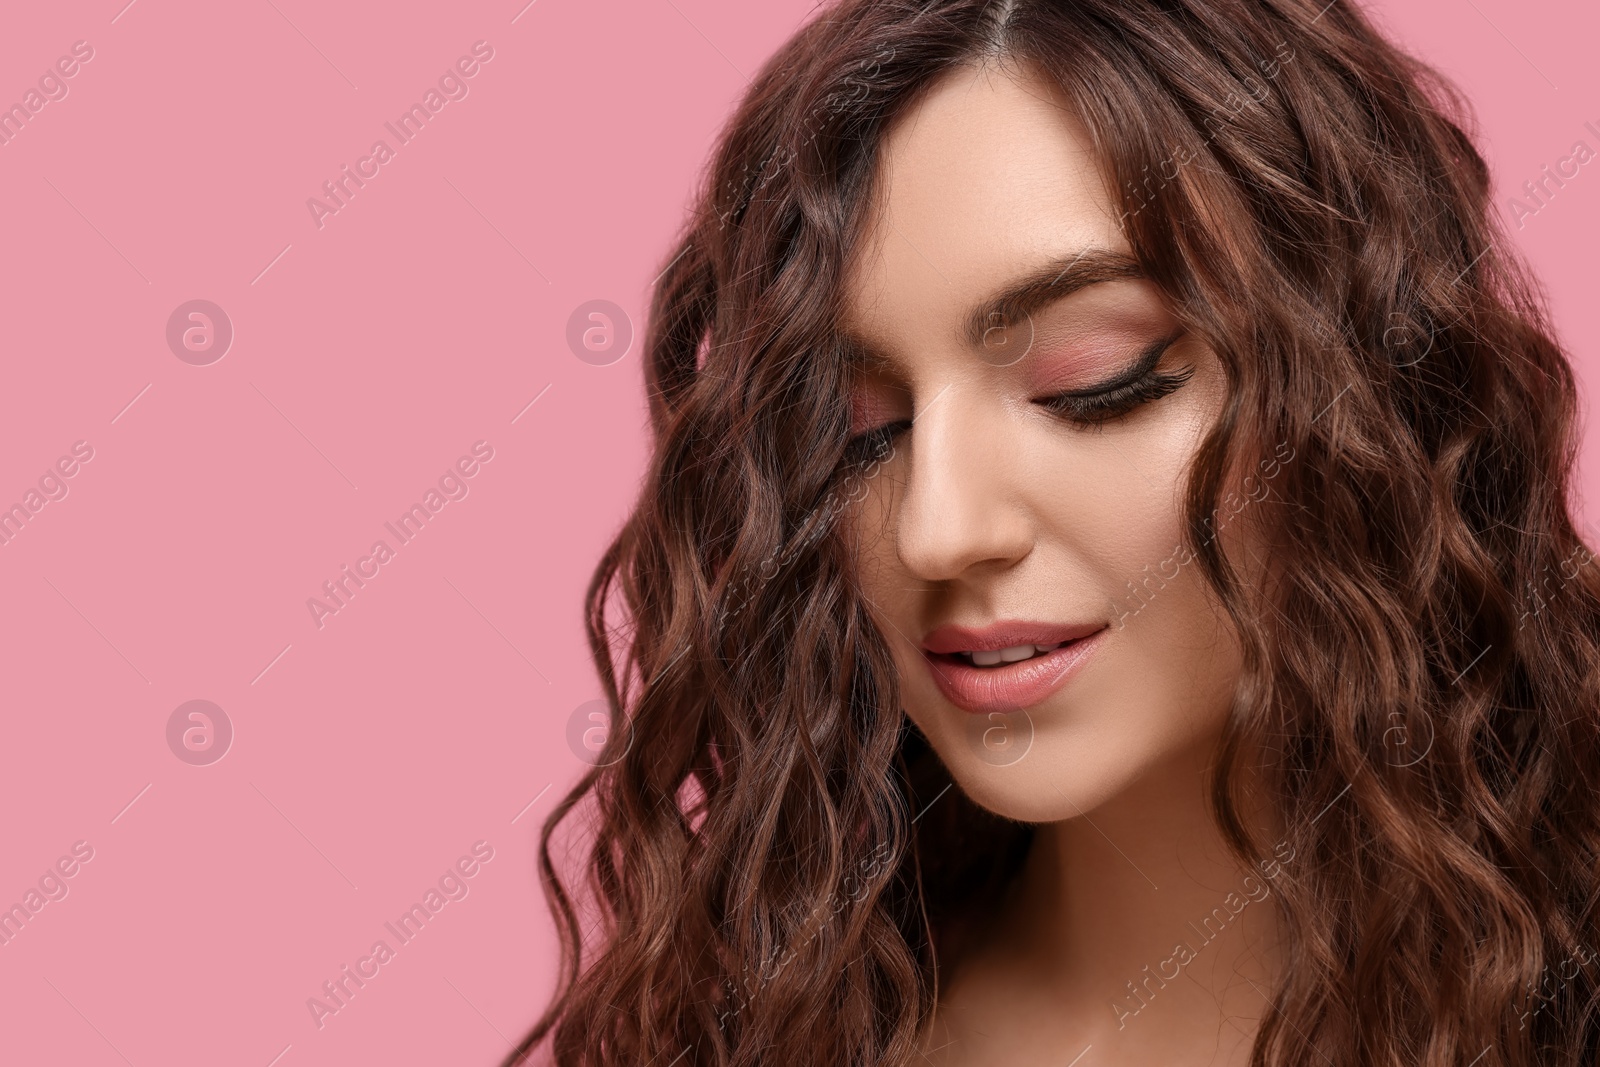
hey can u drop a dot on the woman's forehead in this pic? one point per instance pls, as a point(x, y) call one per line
point(987, 173)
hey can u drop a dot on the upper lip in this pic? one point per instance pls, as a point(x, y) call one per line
point(1007, 633)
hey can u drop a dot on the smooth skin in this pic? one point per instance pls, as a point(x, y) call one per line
point(993, 507)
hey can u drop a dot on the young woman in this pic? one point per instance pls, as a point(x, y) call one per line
point(1106, 589)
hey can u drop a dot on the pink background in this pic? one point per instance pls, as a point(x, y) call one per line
point(432, 711)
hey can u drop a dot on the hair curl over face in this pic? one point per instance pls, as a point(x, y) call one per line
point(760, 886)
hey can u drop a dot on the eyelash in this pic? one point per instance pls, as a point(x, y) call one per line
point(1100, 405)
point(874, 444)
point(1086, 407)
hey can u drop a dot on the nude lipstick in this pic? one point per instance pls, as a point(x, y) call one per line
point(1010, 664)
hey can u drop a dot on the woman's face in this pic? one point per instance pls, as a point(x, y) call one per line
point(999, 523)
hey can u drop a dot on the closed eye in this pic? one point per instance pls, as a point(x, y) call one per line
point(874, 444)
point(1094, 406)
point(1139, 384)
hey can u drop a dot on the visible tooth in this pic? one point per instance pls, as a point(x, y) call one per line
point(1015, 653)
point(986, 659)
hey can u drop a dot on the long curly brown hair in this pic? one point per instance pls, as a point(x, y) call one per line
point(774, 859)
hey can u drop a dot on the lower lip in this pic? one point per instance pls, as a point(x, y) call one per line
point(1012, 686)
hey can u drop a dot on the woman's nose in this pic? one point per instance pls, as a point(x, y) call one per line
point(962, 501)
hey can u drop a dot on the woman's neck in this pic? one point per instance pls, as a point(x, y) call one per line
point(1130, 930)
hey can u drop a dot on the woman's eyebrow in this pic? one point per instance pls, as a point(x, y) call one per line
point(862, 355)
point(1046, 284)
point(1041, 286)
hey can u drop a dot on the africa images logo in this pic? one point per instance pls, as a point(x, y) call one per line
point(452, 485)
point(452, 885)
point(452, 85)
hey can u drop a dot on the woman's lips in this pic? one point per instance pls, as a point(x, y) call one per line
point(1011, 686)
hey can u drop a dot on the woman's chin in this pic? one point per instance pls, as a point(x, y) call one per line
point(1043, 786)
